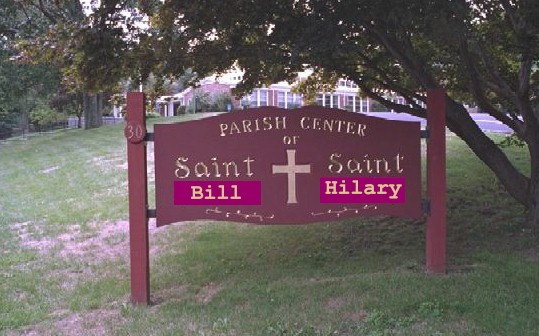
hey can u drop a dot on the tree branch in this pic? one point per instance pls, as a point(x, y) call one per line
point(502, 88)
point(476, 83)
point(45, 12)
point(406, 59)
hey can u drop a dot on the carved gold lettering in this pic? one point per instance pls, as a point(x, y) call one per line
point(386, 166)
point(335, 166)
point(246, 126)
point(365, 164)
point(257, 125)
point(316, 124)
point(354, 166)
point(215, 165)
point(183, 170)
point(280, 123)
point(234, 128)
point(248, 162)
point(201, 170)
point(223, 128)
point(339, 125)
point(252, 125)
point(214, 168)
point(350, 127)
point(267, 123)
point(303, 123)
point(398, 160)
point(368, 163)
point(328, 125)
point(227, 166)
point(361, 129)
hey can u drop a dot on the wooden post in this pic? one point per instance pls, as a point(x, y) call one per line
point(436, 182)
point(135, 132)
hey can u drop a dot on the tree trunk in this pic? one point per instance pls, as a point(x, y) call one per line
point(525, 190)
point(92, 110)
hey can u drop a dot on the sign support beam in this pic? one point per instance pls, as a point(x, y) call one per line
point(436, 183)
point(135, 132)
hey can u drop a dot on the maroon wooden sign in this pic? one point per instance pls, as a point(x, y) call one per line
point(276, 166)
point(265, 166)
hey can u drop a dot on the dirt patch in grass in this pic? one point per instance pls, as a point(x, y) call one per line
point(64, 323)
point(334, 303)
point(532, 254)
point(108, 242)
point(31, 237)
point(208, 292)
point(357, 316)
point(98, 242)
point(171, 294)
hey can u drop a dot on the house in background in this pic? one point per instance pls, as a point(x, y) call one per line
point(345, 95)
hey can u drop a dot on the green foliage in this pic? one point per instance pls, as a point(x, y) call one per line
point(44, 115)
point(6, 130)
point(209, 102)
point(152, 115)
point(220, 101)
point(512, 140)
point(180, 110)
point(377, 107)
point(22, 83)
point(200, 102)
point(482, 52)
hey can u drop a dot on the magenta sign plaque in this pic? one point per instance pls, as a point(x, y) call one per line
point(278, 166)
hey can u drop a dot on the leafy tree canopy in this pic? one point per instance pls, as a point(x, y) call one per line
point(484, 52)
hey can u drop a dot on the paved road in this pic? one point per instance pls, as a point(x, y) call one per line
point(485, 121)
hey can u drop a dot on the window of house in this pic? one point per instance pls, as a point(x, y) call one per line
point(254, 98)
point(327, 100)
point(290, 100)
point(350, 102)
point(263, 97)
point(298, 100)
point(281, 102)
point(364, 105)
point(320, 99)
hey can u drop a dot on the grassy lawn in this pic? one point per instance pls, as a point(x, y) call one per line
point(64, 258)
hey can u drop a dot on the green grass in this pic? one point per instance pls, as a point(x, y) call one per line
point(64, 268)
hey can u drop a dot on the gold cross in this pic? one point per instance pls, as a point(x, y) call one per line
point(291, 169)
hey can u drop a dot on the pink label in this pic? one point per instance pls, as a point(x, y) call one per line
point(366, 190)
point(217, 192)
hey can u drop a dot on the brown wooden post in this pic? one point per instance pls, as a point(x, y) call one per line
point(436, 182)
point(135, 132)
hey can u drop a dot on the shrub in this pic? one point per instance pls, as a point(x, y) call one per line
point(43, 116)
point(152, 115)
point(181, 110)
point(219, 101)
point(5, 130)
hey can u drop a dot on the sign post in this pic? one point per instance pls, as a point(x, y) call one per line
point(436, 182)
point(135, 132)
